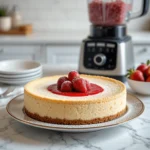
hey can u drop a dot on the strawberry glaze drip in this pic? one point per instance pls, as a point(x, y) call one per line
point(95, 89)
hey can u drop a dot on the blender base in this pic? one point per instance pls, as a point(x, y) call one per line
point(108, 51)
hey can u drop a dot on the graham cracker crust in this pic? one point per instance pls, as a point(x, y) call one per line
point(74, 122)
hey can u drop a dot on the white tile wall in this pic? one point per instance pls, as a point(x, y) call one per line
point(61, 14)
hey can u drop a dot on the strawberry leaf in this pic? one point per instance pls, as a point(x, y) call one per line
point(129, 72)
point(148, 62)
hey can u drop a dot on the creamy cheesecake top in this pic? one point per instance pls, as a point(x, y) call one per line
point(112, 89)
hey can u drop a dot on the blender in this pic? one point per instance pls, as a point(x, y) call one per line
point(108, 50)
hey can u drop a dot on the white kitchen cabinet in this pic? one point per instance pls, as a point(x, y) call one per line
point(141, 53)
point(59, 54)
point(63, 54)
point(20, 52)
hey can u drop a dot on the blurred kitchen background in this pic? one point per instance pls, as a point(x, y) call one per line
point(59, 26)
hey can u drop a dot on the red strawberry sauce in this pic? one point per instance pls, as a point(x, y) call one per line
point(95, 89)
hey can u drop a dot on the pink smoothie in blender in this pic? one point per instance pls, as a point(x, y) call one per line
point(108, 13)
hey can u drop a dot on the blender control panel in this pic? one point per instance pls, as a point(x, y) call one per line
point(100, 55)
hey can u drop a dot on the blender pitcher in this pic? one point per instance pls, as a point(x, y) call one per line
point(114, 12)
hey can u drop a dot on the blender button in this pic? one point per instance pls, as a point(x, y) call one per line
point(89, 59)
point(100, 50)
point(91, 44)
point(93, 50)
point(89, 64)
point(95, 67)
point(109, 66)
point(111, 45)
point(110, 60)
point(101, 44)
point(99, 59)
point(107, 50)
point(112, 50)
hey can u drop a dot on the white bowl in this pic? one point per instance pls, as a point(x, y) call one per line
point(16, 76)
point(139, 87)
point(19, 67)
point(19, 81)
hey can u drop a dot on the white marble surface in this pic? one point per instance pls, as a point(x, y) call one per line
point(134, 135)
point(64, 37)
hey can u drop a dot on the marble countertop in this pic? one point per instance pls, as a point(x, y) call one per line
point(62, 37)
point(134, 135)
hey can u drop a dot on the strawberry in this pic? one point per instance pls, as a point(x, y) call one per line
point(60, 81)
point(142, 67)
point(88, 85)
point(135, 75)
point(66, 86)
point(147, 72)
point(72, 75)
point(79, 85)
point(148, 79)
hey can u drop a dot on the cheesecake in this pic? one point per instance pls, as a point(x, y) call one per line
point(105, 101)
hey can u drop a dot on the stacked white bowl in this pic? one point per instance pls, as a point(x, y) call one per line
point(19, 71)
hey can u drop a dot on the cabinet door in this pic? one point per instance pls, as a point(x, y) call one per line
point(20, 52)
point(141, 53)
point(63, 54)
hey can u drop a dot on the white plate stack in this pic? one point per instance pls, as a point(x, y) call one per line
point(19, 71)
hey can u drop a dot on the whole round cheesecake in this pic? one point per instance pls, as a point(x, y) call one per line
point(45, 104)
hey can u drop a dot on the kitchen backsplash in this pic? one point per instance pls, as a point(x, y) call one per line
point(62, 14)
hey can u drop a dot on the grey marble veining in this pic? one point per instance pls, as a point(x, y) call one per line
point(134, 135)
